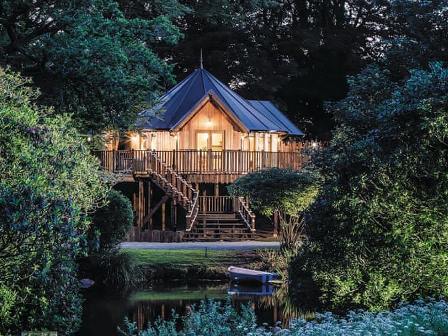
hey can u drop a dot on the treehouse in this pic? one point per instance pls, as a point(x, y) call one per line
point(200, 137)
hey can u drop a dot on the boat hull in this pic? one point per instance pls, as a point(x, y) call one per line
point(238, 274)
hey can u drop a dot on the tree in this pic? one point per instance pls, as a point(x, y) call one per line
point(87, 58)
point(296, 53)
point(379, 233)
point(287, 191)
point(50, 182)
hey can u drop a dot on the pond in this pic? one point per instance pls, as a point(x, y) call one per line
point(105, 310)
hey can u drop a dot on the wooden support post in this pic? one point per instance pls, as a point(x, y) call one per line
point(148, 204)
point(174, 215)
point(216, 189)
point(275, 223)
point(135, 208)
point(163, 216)
point(156, 207)
point(141, 204)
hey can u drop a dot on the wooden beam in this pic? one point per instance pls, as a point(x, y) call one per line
point(174, 215)
point(141, 204)
point(275, 233)
point(148, 204)
point(153, 210)
point(163, 216)
point(216, 189)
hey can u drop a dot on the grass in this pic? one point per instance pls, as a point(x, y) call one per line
point(184, 258)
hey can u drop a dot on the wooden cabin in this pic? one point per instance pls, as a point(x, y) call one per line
point(200, 137)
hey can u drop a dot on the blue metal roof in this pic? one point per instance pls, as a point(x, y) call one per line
point(269, 109)
point(179, 102)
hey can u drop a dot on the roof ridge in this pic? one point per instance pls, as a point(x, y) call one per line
point(183, 98)
point(239, 102)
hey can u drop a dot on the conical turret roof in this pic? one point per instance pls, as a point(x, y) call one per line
point(178, 103)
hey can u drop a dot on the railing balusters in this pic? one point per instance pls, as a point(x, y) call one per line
point(198, 162)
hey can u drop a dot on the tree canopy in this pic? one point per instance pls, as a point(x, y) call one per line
point(104, 60)
point(87, 58)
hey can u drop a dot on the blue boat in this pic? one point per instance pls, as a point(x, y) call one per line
point(239, 274)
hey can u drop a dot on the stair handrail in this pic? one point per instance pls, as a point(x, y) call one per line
point(246, 214)
point(192, 215)
point(182, 186)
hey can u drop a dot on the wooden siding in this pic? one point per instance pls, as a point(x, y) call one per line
point(209, 118)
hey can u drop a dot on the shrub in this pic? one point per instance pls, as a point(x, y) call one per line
point(49, 183)
point(111, 223)
point(213, 319)
point(275, 189)
point(8, 299)
point(378, 234)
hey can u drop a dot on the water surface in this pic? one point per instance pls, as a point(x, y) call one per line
point(105, 310)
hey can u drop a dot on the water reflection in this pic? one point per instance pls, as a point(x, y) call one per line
point(105, 311)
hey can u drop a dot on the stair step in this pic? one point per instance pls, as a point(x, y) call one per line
point(221, 216)
point(221, 224)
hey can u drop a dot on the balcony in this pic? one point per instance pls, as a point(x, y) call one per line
point(196, 162)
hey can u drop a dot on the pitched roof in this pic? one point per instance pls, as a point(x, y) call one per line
point(179, 102)
point(269, 109)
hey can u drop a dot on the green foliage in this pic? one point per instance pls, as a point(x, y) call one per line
point(276, 189)
point(8, 300)
point(380, 231)
point(49, 184)
point(211, 318)
point(111, 223)
point(87, 58)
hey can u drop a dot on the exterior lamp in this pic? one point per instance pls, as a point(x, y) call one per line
point(89, 136)
point(314, 144)
point(209, 122)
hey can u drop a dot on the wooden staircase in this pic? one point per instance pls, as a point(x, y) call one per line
point(222, 218)
point(208, 217)
point(174, 186)
point(215, 227)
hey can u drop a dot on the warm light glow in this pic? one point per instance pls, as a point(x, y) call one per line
point(314, 144)
point(134, 138)
point(209, 122)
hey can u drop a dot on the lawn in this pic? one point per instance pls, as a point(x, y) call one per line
point(182, 258)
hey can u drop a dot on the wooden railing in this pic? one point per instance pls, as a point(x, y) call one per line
point(200, 162)
point(242, 208)
point(192, 215)
point(216, 204)
point(228, 204)
point(168, 179)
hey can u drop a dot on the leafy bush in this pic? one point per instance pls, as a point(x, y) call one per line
point(275, 189)
point(49, 183)
point(111, 222)
point(213, 319)
point(8, 299)
point(378, 235)
point(105, 264)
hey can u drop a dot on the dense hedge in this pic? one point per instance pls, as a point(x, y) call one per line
point(379, 232)
point(49, 184)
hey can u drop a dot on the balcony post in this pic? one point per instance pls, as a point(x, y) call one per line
point(174, 160)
